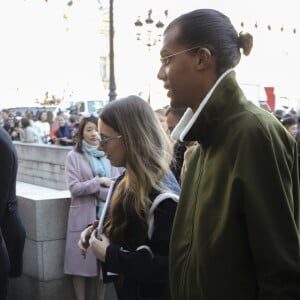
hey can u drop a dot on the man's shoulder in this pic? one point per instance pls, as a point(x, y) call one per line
point(5, 138)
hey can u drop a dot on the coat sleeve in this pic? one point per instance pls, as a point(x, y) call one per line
point(6, 174)
point(76, 170)
point(103, 190)
point(149, 263)
point(271, 209)
point(8, 171)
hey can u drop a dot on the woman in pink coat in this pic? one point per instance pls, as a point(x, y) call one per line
point(88, 174)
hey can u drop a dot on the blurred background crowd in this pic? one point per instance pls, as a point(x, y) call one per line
point(52, 126)
point(42, 126)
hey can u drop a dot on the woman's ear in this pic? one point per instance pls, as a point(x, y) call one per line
point(204, 57)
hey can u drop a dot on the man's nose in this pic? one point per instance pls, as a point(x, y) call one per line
point(161, 73)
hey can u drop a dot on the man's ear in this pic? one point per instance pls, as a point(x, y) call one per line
point(204, 57)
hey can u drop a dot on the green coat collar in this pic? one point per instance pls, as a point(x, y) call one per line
point(223, 101)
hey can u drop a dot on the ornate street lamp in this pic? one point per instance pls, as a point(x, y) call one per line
point(153, 31)
point(150, 33)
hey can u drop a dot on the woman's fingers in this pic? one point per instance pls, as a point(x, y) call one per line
point(85, 235)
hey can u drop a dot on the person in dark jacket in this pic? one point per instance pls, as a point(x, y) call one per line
point(236, 230)
point(291, 125)
point(12, 232)
point(63, 134)
point(134, 243)
point(173, 115)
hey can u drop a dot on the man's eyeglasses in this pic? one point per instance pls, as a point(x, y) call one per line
point(166, 59)
point(104, 141)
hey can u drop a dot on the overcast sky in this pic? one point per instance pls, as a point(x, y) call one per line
point(49, 46)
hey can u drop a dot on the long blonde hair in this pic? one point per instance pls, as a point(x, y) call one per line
point(148, 157)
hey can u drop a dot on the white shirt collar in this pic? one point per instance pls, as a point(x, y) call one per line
point(189, 118)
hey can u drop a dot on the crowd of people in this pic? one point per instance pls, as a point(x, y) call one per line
point(42, 127)
point(212, 215)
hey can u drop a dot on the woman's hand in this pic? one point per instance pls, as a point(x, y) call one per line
point(85, 235)
point(105, 181)
point(99, 245)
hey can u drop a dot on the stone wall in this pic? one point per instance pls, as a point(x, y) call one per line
point(42, 165)
point(44, 204)
point(44, 213)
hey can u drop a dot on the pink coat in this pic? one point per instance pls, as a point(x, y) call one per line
point(83, 187)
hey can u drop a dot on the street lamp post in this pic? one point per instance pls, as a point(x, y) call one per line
point(112, 83)
point(151, 35)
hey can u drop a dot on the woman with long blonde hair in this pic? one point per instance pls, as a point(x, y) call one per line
point(137, 226)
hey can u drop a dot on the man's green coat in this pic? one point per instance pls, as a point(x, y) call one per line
point(236, 230)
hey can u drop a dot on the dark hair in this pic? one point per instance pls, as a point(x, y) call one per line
point(25, 122)
point(17, 122)
point(177, 111)
point(29, 114)
point(72, 119)
point(79, 135)
point(289, 121)
point(213, 30)
point(39, 114)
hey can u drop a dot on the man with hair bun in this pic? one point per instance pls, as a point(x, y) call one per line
point(236, 229)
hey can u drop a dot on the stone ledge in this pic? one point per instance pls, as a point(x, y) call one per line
point(35, 192)
point(44, 211)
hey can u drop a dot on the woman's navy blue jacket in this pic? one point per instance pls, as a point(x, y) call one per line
point(143, 273)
